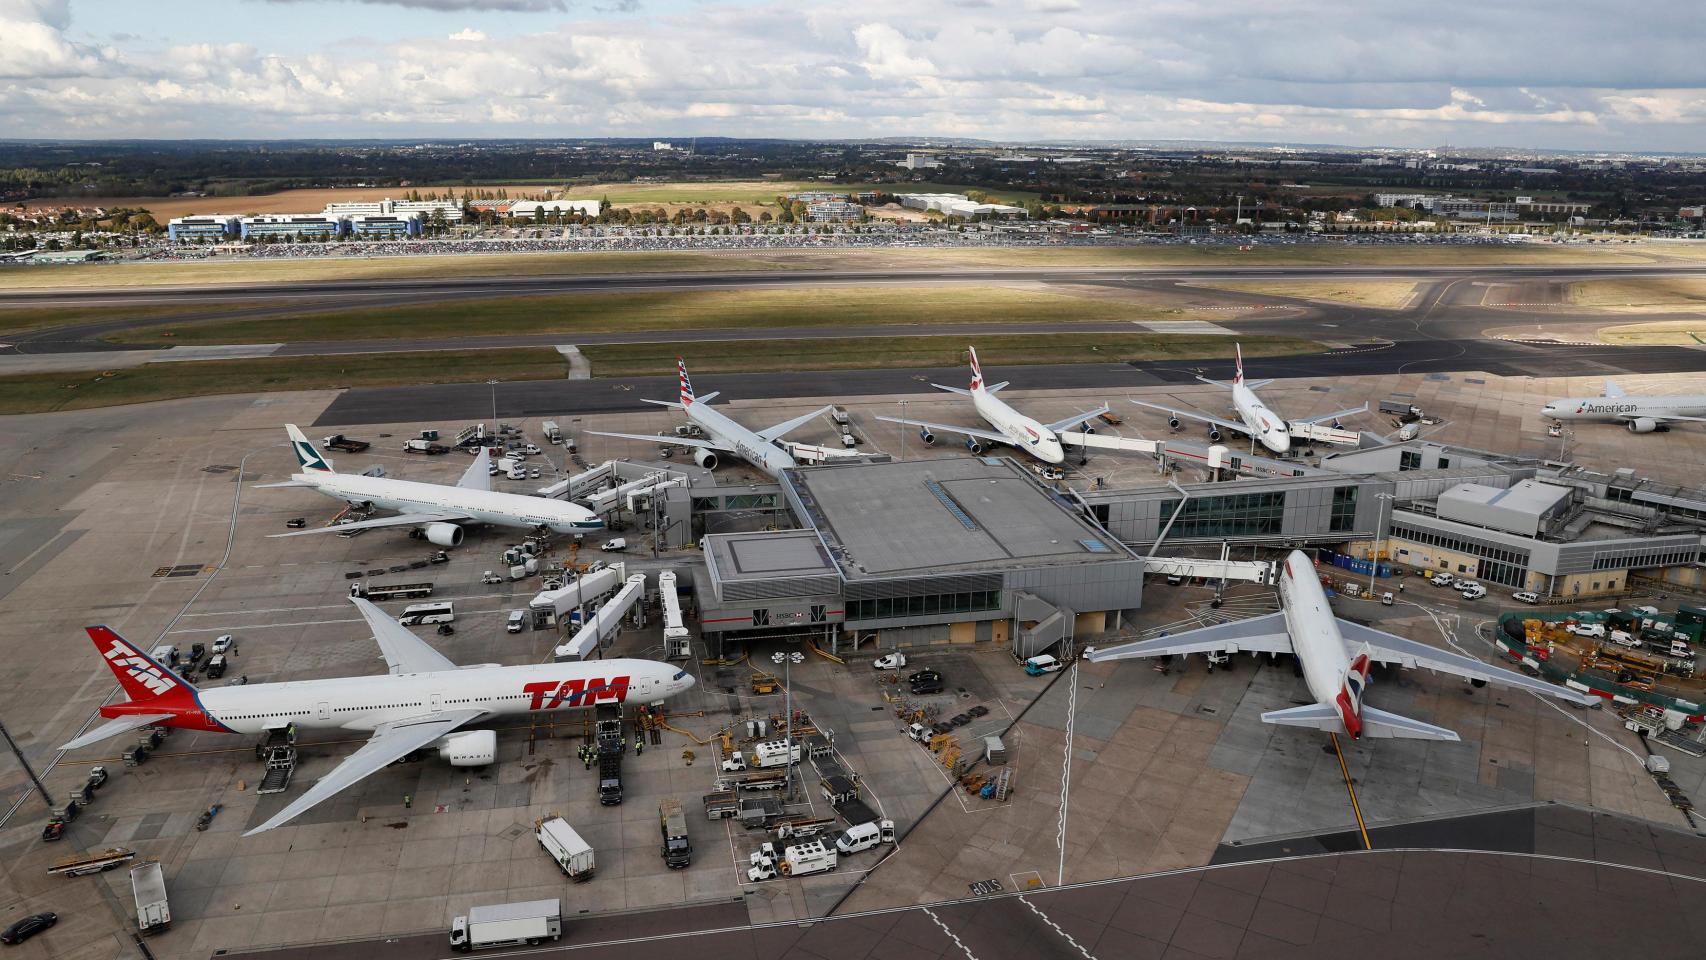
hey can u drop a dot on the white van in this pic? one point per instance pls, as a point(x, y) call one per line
point(614, 545)
point(165, 653)
point(1041, 664)
point(1595, 630)
point(862, 837)
point(517, 619)
point(1526, 597)
point(1624, 638)
point(1474, 592)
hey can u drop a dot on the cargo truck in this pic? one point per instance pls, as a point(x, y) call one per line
point(676, 849)
point(390, 591)
point(553, 433)
point(1402, 409)
point(427, 447)
point(574, 855)
point(148, 885)
point(507, 925)
point(338, 441)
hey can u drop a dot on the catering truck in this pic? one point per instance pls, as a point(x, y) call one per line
point(677, 850)
point(566, 847)
point(148, 885)
point(507, 925)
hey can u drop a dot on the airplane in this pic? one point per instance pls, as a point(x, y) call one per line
point(1255, 419)
point(1335, 655)
point(1639, 414)
point(422, 704)
point(1011, 427)
point(757, 447)
point(438, 511)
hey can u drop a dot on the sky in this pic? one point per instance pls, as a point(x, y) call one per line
point(1563, 74)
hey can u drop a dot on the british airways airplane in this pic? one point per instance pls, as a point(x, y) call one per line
point(1254, 418)
point(423, 703)
point(1335, 655)
point(438, 511)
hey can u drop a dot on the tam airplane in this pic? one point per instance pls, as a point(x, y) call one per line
point(1255, 419)
point(757, 447)
point(435, 509)
point(1335, 655)
point(1012, 428)
point(1639, 414)
point(422, 704)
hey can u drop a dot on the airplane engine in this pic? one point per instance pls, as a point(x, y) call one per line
point(1213, 434)
point(472, 748)
point(1173, 422)
point(1643, 425)
point(443, 534)
point(925, 435)
point(705, 458)
point(973, 445)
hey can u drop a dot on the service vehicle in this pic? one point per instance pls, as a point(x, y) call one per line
point(862, 837)
point(721, 805)
point(889, 661)
point(425, 447)
point(553, 433)
point(1386, 599)
point(296, 523)
point(442, 611)
point(1595, 630)
point(165, 653)
point(676, 849)
point(1527, 597)
point(840, 417)
point(148, 886)
point(1041, 664)
point(97, 776)
point(1441, 579)
point(516, 622)
point(813, 856)
point(380, 592)
point(507, 925)
point(95, 861)
point(1400, 408)
point(1623, 638)
point(1474, 592)
point(849, 441)
point(774, 753)
point(216, 666)
point(574, 855)
point(338, 441)
point(1461, 583)
point(613, 545)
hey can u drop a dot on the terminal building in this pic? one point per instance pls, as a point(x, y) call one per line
point(274, 226)
point(449, 211)
point(957, 205)
point(956, 550)
point(207, 226)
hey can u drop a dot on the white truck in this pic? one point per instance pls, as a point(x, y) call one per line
point(764, 756)
point(814, 856)
point(573, 855)
point(507, 925)
point(148, 884)
point(553, 433)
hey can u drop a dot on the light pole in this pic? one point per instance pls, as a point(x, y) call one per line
point(494, 385)
point(786, 661)
point(903, 429)
point(1379, 528)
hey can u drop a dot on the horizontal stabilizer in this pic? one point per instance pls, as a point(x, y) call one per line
point(113, 728)
point(962, 391)
point(1320, 716)
point(1391, 726)
point(282, 483)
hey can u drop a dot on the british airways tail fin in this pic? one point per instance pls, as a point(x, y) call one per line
point(976, 372)
point(306, 455)
point(1238, 371)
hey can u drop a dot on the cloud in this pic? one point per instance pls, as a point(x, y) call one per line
point(1471, 73)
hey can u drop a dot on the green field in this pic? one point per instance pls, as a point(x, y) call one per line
point(677, 310)
point(23, 319)
point(39, 393)
point(757, 356)
point(762, 191)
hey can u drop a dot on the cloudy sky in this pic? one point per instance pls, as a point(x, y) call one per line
point(1561, 73)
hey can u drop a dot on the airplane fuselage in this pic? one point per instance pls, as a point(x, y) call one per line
point(746, 444)
point(485, 506)
point(1620, 409)
point(1021, 431)
point(365, 703)
point(1314, 630)
point(1267, 427)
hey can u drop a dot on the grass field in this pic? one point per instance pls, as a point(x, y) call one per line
point(1381, 294)
point(24, 319)
point(757, 356)
point(1643, 295)
point(1681, 333)
point(40, 393)
point(676, 310)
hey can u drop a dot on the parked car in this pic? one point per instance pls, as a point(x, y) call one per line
point(1441, 579)
point(296, 523)
point(889, 661)
point(926, 681)
point(1526, 597)
point(1595, 630)
point(1462, 583)
point(1474, 592)
point(224, 643)
point(28, 927)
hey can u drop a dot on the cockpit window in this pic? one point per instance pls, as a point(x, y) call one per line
point(679, 675)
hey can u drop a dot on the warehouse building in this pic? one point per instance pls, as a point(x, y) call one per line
point(957, 205)
point(957, 550)
point(450, 211)
point(207, 226)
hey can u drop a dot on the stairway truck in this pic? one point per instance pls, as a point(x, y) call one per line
point(507, 925)
point(676, 849)
point(148, 886)
point(574, 855)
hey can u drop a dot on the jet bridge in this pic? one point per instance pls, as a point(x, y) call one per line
point(604, 623)
point(551, 606)
point(677, 642)
point(1252, 571)
point(580, 484)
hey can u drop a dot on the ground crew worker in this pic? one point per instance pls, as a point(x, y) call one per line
point(639, 745)
point(408, 800)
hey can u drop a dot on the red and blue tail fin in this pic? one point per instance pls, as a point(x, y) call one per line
point(976, 372)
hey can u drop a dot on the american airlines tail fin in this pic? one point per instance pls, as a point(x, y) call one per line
point(686, 384)
point(1612, 389)
point(306, 455)
point(976, 372)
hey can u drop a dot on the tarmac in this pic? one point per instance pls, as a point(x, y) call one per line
point(147, 518)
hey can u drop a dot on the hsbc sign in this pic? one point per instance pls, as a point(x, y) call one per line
point(550, 695)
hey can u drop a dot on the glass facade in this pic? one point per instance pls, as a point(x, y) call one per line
point(1505, 565)
point(1231, 515)
point(929, 605)
point(1641, 560)
point(1344, 517)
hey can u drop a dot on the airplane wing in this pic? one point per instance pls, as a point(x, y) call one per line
point(400, 520)
point(770, 434)
point(479, 473)
point(988, 435)
point(1334, 415)
point(1411, 654)
point(666, 440)
point(403, 651)
point(1205, 418)
point(1074, 421)
point(390, 742)
point(1264, 634)
point(113, 728)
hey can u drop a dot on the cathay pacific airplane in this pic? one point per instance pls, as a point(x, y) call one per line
point(438, 511)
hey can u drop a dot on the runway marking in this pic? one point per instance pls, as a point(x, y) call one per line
point(1064, 935)
point(951, 934)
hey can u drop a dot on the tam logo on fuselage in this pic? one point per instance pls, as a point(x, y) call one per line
point(139, 669)
point(549, 694)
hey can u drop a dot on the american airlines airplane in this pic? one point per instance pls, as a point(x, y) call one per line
point(438, 511)
point(422, 704)
point(1254, 418)
point(757, 447)
point(1639, 414)
point(1335, 656)
point(1011, 427)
